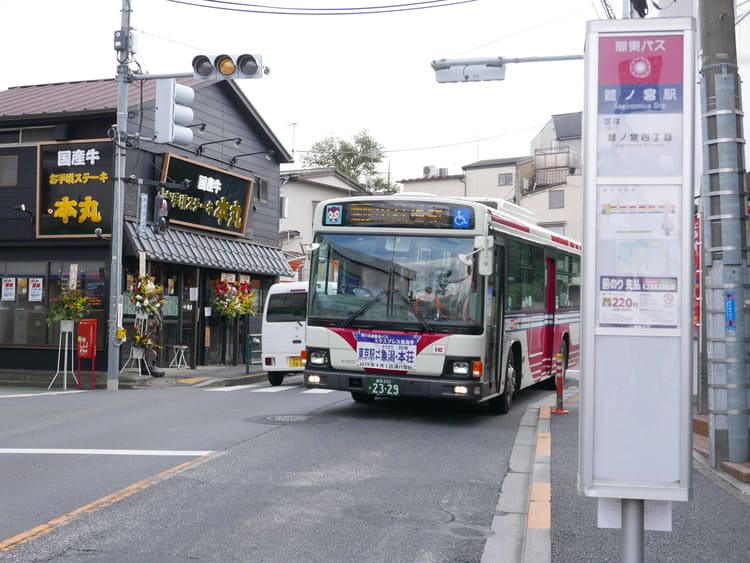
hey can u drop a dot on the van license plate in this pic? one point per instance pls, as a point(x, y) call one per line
point(382, 386)
point(295, 362)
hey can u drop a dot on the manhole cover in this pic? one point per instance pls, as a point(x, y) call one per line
point(291, 419)
point(161, 382)
point(286, 418)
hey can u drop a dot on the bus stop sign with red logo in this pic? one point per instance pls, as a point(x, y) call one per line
point(637, 261)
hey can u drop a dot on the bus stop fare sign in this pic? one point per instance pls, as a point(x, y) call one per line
point(386, 351)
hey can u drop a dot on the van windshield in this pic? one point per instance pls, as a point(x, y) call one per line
point(285, 307)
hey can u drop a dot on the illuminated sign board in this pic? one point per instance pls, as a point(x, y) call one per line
point(74, 189)
point(215, 199)
point(405, 214)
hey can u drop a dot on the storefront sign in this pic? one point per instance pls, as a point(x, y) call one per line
point(74, 189)
point(215, 199)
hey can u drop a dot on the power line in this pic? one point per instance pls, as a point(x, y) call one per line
point(292, 11)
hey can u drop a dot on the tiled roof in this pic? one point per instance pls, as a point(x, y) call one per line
point(93, 96)
point(194, 249)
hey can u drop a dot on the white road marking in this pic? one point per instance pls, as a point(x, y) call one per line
point(233, 387)
point(59, 451)
point(40, 394)
point(321, 391)
point(276, 389)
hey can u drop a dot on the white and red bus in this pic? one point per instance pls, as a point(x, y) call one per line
point(417, 296)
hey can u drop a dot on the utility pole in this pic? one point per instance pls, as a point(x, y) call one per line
point(122, 47)
point(724, 206)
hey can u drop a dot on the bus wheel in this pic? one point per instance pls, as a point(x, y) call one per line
point(275, 378)
point(362, 397)
point(501, 403)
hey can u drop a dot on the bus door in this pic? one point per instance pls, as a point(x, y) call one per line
point(496, 319)
point(548, 336)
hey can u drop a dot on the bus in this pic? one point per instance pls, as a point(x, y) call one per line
point(283, 330)
point(472, 301)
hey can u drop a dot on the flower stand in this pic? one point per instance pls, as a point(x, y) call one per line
point(66, 335)
point(138, 354)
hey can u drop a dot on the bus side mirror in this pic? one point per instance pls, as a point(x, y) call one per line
point(484, 246)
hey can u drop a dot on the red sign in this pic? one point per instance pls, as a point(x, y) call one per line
point(87, 338)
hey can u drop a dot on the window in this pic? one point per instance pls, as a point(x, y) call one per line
point(283, 209)
point(556, 199)
point(505, 179)
point(9, 170)
point(261, 189)
point(525, 285)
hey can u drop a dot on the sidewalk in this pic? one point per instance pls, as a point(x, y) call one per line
point(541, 517)
point(203, 376)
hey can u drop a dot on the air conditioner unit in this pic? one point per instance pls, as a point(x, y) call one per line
point(429, 171)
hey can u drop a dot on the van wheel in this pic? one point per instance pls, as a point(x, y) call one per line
point(275, 378)
point(501, 404)
point(362, 397)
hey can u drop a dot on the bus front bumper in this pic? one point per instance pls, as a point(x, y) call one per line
point(431, 388)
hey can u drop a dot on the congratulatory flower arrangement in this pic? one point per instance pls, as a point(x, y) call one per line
point(233, 299)
point(147, 297)
point(70, 306)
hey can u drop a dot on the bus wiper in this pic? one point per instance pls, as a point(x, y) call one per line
point(364, 308)
point(422, 321)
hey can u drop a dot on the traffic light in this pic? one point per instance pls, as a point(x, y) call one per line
point(161, 214)
point(173, 113)
point(222, 67)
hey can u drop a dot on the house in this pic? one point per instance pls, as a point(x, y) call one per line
point(57, 173)
point(300, 192)
point(436, 181)
point(556, 191)
point(547, 182)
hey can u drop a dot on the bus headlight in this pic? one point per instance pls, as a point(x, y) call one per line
point(317, 358)
point(313, 379)
point(461, 390)
point(460, 368)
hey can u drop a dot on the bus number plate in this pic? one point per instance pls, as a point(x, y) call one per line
point(382, 386)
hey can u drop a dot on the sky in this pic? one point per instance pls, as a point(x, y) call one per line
point(336, 75)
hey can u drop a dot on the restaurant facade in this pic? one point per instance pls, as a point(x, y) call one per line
point(56, 218)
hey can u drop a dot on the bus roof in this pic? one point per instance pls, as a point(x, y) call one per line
point(502, 215)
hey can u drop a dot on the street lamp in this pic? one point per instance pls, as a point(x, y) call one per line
point(237, 141)
point(268, 155)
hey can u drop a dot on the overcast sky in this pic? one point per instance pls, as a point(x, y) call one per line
point(337, 74)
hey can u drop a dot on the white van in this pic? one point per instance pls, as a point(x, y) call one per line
point(283, 330)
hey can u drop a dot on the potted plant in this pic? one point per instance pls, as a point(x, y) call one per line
point(148, 299)
point(68, 308)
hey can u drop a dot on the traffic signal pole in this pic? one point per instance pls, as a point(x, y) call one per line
point(724, 205)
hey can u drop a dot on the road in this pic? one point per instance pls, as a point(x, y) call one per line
point(248, 473)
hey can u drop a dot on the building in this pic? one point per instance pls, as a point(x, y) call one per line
point(56, 214)
point(547, 182)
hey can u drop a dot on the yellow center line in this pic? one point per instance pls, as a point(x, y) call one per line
point(103, 502)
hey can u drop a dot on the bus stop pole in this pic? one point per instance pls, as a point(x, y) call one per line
point(632, 530)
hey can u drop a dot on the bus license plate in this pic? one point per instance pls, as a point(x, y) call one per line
point(295, 362)
point(382, 386)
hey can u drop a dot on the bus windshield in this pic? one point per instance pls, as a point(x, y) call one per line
point(422, 283)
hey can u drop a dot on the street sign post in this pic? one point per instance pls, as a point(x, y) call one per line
point(638, 262)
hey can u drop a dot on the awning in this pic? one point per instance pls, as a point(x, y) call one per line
point(193, 249)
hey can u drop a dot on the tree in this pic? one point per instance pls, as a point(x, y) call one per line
point(357, 159)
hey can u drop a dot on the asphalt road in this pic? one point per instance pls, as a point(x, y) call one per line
point(248, 474)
